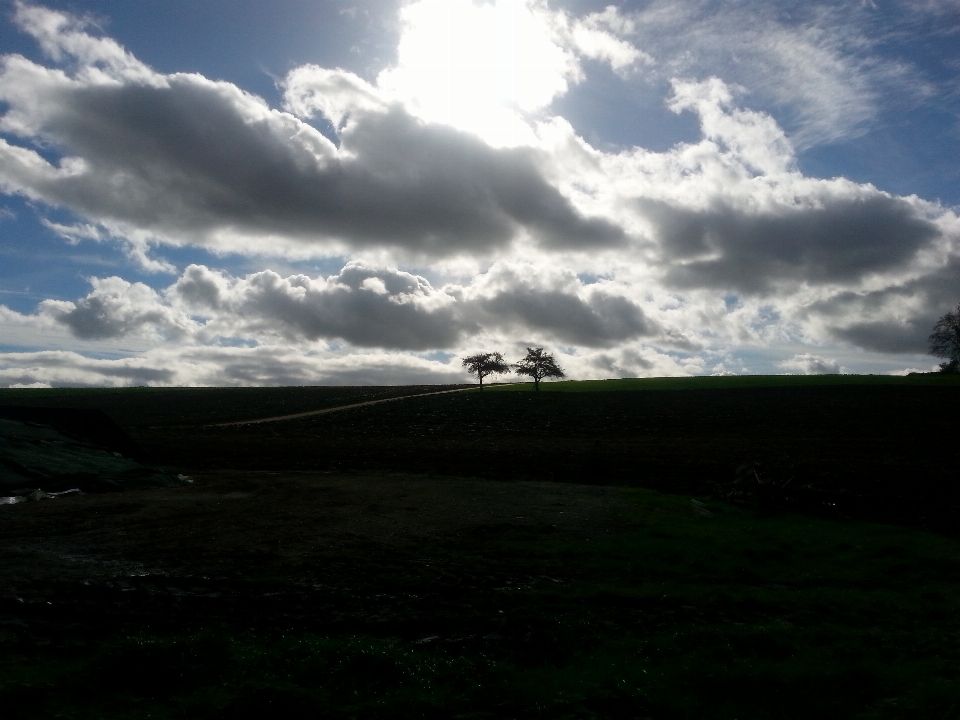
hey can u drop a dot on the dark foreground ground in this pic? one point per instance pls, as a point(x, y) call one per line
point(345, 566)
point(304, 595)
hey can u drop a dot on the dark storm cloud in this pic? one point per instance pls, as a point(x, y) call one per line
point(598, 321)
point(840, 241)
point(887, 336)
point(454, 191)
point(907, 313)
point(187, 158)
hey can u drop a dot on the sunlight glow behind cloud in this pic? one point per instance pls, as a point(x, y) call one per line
point(484, 68)
point(475, 66)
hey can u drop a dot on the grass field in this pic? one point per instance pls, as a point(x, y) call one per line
point(730, 382)
point(665, 614)
point(884, 444)
point(408, 559)
point(144, 407)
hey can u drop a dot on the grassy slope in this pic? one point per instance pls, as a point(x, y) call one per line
point(740, 615)
point(730, 382)
point(876, 436)
point(887, 440)
point(143, 407)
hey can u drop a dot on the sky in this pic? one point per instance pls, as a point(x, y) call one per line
point(230, 192)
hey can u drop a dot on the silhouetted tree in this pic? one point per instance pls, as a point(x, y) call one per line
point(538, 365)
point(484, 364)
point(945, 341)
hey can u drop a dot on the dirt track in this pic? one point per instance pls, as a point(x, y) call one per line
point(324, 411)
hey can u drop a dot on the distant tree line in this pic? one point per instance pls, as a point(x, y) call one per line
point(537, 364)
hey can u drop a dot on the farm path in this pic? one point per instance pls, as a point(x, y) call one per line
point(324, 411)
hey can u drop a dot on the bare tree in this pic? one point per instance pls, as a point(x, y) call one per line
point(945, 341)
point(484, 364)
point(538, 365)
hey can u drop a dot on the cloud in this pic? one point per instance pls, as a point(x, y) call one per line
point(365, 306)
point(63, 37)
point(841, 240)
point(911, 370)
point(694, 252)
point(64, 368)
point(813, 365)
point(732, 212)
point(116, 308)
point(222, 366)
point(887, 336)
point(136, 244)
point(600, 36)
point(897, 318)
point(187, 160)
point(600, 320)
point(819, 65)
point(523, 299)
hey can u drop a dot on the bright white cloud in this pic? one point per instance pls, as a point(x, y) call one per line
point(63, 36)
point(808, 364)
point(600, 36)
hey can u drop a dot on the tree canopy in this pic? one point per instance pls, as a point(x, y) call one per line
point(484, 364)
point(945, 341)
point(538, 365)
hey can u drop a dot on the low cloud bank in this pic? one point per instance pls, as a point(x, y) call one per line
point(808, 364)
point(364, 306)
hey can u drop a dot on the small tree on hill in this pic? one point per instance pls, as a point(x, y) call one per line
point(538, 365)
point(484, 364)
point(945, 341)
